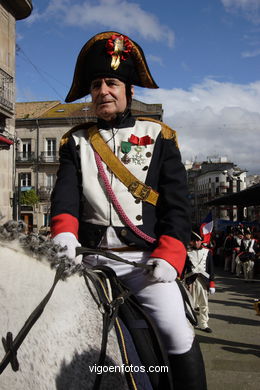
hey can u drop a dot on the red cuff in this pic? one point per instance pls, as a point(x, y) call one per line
point(212, 284)
point(171, 250)
point(64, 223)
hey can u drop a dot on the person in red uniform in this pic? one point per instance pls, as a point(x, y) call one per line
point(148, 220)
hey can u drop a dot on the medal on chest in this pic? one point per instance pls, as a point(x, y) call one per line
point(138, 145)
point(125, 148)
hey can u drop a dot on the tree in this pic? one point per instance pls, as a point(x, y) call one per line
point(29, 198)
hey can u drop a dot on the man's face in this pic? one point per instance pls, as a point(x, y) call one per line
point(108, 97)
point(196, 244)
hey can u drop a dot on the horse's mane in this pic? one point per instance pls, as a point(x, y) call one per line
point(38, 246)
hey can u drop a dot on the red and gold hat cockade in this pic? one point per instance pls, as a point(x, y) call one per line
point(118, 46)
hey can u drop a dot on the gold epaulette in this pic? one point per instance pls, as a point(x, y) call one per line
point(65, 137)
point(166, 132)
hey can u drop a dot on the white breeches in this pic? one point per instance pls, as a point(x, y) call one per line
point(163, 301)
point(247, 267)
point(200, 297)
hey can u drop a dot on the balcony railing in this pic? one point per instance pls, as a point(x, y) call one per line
point(45, 192)
point(49, 157)
point(6, 90)
point(25, 156)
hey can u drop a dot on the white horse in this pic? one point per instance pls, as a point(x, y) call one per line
point(62, 349)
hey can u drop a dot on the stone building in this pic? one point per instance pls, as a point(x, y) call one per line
point(211, 179)
point(39, 128)
point(10, 12)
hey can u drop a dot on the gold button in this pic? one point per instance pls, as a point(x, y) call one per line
point(138, 217)
point(148, 154)
point(137, 201)
point(123, 232)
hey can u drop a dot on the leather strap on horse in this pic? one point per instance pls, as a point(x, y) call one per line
point(11, 346)
point(137, 188)
point(107, 306)
point(189, 311)
point(80, 250)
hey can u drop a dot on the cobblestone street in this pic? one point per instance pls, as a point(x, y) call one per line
point(232, 351)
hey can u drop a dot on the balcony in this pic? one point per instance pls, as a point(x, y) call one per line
point(25, 157)
point(6, 92)
point(45, 192)
point(49, 157)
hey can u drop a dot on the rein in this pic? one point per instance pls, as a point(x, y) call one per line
point(88, 251)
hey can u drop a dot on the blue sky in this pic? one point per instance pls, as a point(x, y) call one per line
point(204, 55)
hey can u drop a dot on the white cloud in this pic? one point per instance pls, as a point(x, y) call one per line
point(214, 118)
point(155, 59)
point(250, 8)
point(251, 53)
point(120, 15)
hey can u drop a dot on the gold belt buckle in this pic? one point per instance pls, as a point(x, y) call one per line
point(143, 194)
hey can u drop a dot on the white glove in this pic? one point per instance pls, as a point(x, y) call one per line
point(162, 272)
point(212, 290)
point(69, 241)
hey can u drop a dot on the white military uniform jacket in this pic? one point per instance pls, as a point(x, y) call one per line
point(80, 203)
point(200, 265)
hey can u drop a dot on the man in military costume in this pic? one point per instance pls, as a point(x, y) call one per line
point(199, 277)
point(121, 186)
point(246, 257)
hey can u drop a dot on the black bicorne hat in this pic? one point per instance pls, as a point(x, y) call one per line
point(195, 234)
point(247, 230)
point(109, 54)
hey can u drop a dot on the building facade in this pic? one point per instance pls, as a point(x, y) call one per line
point(39, 128)
point(212, 179)
point(10, 11)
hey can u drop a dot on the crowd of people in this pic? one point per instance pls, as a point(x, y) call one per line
point(238, 251)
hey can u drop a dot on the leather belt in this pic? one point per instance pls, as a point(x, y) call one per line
point(138, 189)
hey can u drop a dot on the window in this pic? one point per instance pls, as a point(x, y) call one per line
point(26, 180)
point(47, 219)
point(50, 180)
point(50, 150)
point(26, 149)
point(216, 179)
point(51, 146)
